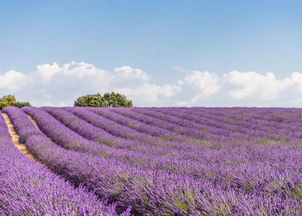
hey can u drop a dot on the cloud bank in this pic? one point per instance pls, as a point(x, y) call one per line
point(60, 85)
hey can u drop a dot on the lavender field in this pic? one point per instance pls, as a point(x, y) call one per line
point(152, 161)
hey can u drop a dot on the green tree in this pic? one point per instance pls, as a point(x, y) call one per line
point(107, 100)
point(116, 100)
point(10, 100)
point(21, 104)
point(7, 100)
point(91, 100)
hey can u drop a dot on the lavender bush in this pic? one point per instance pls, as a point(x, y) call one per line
point(174, 161)
point(27, 188)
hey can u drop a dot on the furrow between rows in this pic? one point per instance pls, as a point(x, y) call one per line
point(15, 138)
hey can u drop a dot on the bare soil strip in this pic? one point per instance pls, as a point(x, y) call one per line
point(15, 138)
point(37, 126)
point(34, 122)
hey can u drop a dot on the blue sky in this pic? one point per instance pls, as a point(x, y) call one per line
point(168, 40)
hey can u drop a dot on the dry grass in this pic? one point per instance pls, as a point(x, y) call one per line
point(36, 125)
point(33, 121)
point(15, 138)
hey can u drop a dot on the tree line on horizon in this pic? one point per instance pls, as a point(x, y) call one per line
point(10, 100)
point(91, 100)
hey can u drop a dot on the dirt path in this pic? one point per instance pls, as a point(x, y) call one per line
point(15, 138)
point(34, 122)
point(37, 126)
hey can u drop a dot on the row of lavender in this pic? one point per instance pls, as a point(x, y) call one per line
point(27, 188)
point(191, 125)
point(244, 124)
point(159, 175)
point(149, 193)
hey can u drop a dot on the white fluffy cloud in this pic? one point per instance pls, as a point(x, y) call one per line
point(150, 93)
point(74, 70)
point(252, 84)
point(129, 73)
point(47, 71)
point(11, 81)
point(204, 84)
point(265, 87)
point(59, 85)
point(52, 84)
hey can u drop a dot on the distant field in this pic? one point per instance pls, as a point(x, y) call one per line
point(151, 161)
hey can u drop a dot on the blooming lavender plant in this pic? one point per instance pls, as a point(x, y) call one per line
point(27, 188)
point(237, 168)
